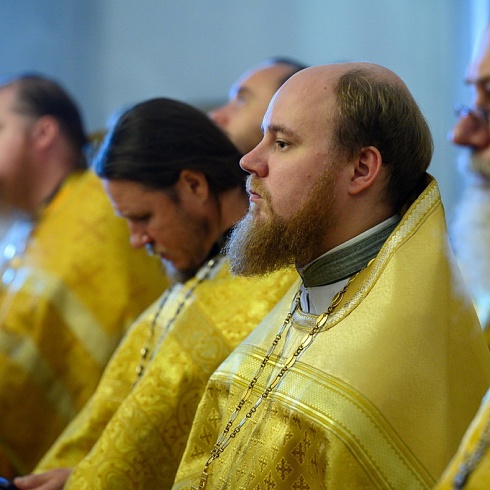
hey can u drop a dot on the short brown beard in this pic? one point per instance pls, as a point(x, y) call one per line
point(260, 246)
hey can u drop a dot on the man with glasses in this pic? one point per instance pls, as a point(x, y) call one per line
point(470, 467)
point(471, 228)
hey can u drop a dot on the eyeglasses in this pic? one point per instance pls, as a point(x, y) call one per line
point(480, 115)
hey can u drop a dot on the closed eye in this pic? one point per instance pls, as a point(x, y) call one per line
point(143, 219)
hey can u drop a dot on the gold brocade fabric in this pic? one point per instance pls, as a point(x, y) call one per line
point(136, 436)
point(381, 397)
point(66, 300)
point(475, 444)
point(482, 306)
point(486, 331)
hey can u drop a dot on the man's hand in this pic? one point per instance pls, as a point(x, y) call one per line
point(51, 480)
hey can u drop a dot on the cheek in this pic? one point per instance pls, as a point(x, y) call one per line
point(159, 234)
point(285, 201)
point(289, 194)
point(10, 160)
point(484, 153)
point(169, 233)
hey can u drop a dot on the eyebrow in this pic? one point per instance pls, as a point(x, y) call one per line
point(129, 214)
point(278, 128)
point(478, 81)
point(236, 91)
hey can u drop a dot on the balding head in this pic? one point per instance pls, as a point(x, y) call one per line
point(249, 97)
point(344, 146)
point(479, 68)
point(369, 106)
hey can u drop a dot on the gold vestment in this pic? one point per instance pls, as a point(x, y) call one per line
point(486, 332)
point(66, 300)
point(473, 453)
point(381, 396)
point(134, 437)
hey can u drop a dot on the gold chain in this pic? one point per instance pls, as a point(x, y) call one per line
point(226, 436)
point(202, 275)
point(145, 351)
point(471, 460)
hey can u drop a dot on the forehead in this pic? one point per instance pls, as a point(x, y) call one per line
point(7, 97)
point(302, 104)
point(479, 68)
point(130, 197)
point(264, 79)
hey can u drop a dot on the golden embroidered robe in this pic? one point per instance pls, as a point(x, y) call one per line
point(475, 444)
point(134, 438)
point(379, 399)
point(65, 302)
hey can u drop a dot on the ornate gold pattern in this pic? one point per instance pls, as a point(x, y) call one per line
point(138, 439)
point(67, 301)
point(146, 351)
point(226, 437)
point(353, 411)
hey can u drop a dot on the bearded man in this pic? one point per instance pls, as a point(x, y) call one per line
point(174, 176)
point(70, 283)
point(471, 228)
point(378, 346)
point(470, 467)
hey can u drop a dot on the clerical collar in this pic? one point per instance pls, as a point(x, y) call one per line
point(348, 258)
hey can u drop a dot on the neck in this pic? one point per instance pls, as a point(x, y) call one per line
point(54, 164)
point(45, 192)
point(349, 258)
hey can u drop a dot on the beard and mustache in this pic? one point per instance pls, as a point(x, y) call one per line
point(470, 230)
point(262, 245)
point(168, 268)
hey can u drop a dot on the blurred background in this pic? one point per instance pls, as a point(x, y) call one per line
point(110, 53)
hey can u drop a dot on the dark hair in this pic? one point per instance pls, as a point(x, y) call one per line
point(293, 64)
point(39, 96)
point(373, 110)
point(153, 141)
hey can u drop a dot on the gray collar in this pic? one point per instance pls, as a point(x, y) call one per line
point(345, 262)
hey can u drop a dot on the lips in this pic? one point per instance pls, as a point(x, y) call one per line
point(153, 249)
point(253, 190)
point(253, 195)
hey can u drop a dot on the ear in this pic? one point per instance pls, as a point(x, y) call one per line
point(44, 132)
point(366, 169)
point(192, 185)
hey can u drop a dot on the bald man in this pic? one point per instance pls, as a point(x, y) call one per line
point(241, 116)
point(377, 346)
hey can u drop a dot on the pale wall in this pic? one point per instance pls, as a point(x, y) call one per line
point(109, 53)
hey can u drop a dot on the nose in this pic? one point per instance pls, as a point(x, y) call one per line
point(254, 162)
point(219, 116)
point(138, 238)
point(471, 131)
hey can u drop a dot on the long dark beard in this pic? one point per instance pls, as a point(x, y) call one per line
point(259, 246)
